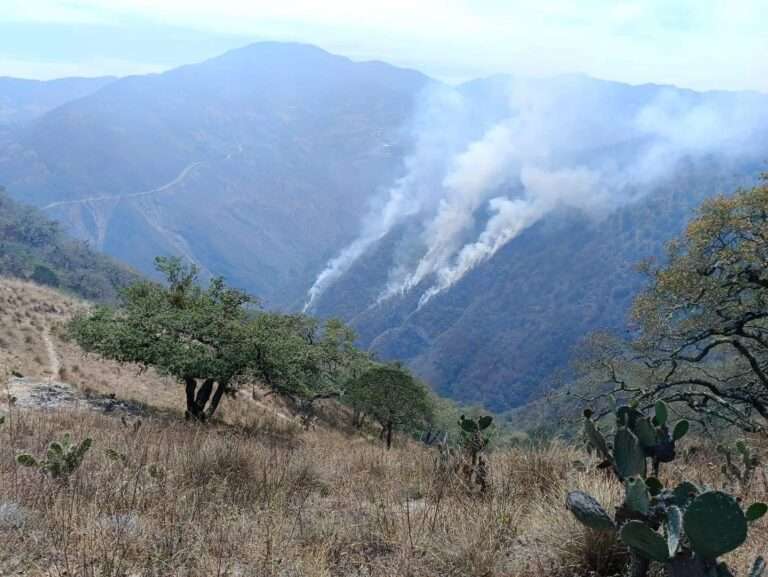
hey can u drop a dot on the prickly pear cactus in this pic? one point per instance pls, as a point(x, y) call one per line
point(637, 438)
point(741, 463)
point(61, 460)
point(684, 528)
point(475, 439)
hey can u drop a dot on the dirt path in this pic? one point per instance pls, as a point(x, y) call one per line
point(54, 361)
point(35, 393)
point(178, 180)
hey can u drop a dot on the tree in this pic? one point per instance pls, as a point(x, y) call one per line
point(391, 396)
point(211, 339)
point(197, 335)
point(702, 323)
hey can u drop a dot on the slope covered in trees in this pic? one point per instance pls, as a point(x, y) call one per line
point(32, 247)
point(261, 165)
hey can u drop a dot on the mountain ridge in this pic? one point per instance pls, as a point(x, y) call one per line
point(263, 163)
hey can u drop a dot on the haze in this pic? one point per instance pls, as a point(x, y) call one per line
point(689, 43)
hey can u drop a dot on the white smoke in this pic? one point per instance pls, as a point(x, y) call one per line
point(434, 143)
point(481, 168)
point(553, 147)
point(544, 191)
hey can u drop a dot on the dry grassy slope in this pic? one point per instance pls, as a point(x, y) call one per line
point(269, 499)
point(32, 316)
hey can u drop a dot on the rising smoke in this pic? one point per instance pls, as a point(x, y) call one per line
point(568, 142)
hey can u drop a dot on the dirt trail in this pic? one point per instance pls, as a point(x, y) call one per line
point(54, 361)
point(36, 393)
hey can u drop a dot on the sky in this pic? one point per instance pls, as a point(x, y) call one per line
point(699, 44)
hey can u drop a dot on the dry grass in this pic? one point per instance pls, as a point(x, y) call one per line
point(262, 497)
point(218, 501)
point(191, 500)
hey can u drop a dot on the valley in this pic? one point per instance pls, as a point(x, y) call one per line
point(457, 288)
point(445, 224)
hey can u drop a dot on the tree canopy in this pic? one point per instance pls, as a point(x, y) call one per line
point(392, 397)
point(702, 323)
point(212, 338)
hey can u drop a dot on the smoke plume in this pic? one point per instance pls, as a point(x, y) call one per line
point(488, 165)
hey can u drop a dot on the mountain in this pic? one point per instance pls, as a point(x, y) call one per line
point(476, 232)
point(503, 331)
point(32, 247)
point(256, 165)
point(24, 100)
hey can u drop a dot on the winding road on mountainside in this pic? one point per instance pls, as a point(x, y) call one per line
point(176, 181)
point(150, 213)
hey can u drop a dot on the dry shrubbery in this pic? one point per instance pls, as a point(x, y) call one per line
point(270, 501)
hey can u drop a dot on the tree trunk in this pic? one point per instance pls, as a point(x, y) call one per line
point(389, 435)
point(216, 399)
point(197, 399)
point(203, 394)
point(190, 385)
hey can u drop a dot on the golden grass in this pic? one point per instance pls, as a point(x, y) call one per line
point(261, 497)
point(221, 500)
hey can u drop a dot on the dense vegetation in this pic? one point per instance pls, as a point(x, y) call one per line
point(697, 336)
point(214, 339)
point(34, 248)
point(507, 332)
point(702, 323)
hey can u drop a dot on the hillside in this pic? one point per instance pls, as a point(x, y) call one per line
point(262, 496)
point(56, 374)
point(34, 247)
point(256, 164)
point(24, 100)
point(504, 331)
point(264, 164)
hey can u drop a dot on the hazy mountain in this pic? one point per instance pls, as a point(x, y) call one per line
point(570, 183)
point(476, 231)
point(24, 100)
point(256, 164)
point(504, 332)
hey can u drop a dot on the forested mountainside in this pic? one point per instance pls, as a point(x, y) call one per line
point(276, 162)
point(504, 333)
point(504, 330)
point(256, 165)
point(32, 247)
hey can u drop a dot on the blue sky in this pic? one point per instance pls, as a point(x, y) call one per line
point(701, 44)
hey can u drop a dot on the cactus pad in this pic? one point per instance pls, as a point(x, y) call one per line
point(680, 430)
point(628, 454)
point(714, 524)
point(588, 511)
point(637, 497)
point(644, 540)
point(673, 527)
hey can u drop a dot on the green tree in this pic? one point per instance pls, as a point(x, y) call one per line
point(194, 334)
point(702, 337)
point(212, 338)
point(392, 397)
